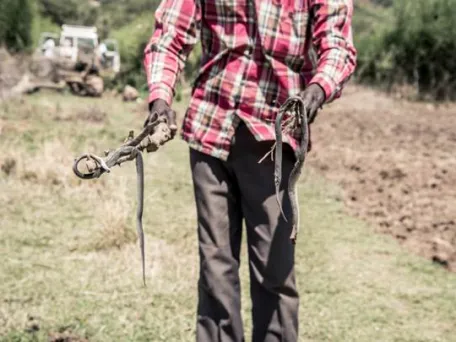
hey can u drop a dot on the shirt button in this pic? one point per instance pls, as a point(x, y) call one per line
point(248, 51)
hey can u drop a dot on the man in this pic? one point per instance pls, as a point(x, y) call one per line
point(102, 50)
point(48, 48)
point(66, 49)
point(256, 54)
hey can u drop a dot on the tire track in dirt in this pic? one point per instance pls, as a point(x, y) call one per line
point(396, 161)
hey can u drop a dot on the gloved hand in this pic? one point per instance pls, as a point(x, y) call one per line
point(313, 97)
point(159, 108)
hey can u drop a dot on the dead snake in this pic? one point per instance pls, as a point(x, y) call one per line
point(296, 107)
point(130, 150)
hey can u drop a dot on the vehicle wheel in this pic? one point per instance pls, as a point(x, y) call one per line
point(94, 86)
point(42, 68)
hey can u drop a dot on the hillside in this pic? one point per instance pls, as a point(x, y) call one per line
point(131, 23)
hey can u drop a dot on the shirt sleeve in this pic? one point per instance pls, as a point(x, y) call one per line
point(176, 32)
point(332, 39)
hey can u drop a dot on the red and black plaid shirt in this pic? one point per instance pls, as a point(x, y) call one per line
point(256, 53)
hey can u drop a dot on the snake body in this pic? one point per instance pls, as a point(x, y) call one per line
point(139, 211)
point(157, 133)
point(296, 107)
point(122, 154)
point(278, 160)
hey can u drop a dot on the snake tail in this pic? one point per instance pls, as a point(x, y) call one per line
point(139, 212)
point(278, 161)
point(297, 170)
point(157, 133)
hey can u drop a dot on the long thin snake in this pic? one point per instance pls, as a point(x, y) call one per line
point(130, 150)
point(294, 105)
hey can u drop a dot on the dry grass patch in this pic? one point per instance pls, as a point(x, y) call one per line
point(48, 172)
point(47, 167)
point(113, 216)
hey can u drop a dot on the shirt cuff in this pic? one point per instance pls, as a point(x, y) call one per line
point(329, 87)
point(162, 92)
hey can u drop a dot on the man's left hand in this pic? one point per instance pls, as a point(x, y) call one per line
point(313, 97)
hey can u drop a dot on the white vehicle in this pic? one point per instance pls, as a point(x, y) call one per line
point(72, 38)
point(75, 58)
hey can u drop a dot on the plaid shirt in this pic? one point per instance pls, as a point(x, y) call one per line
point(256, 53)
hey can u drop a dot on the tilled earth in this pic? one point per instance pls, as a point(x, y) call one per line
point(396, 162)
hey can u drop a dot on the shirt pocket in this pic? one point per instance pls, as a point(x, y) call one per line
point(282, 27)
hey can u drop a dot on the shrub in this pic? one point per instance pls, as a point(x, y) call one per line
point(417, 47)
point(16, 18)
point(69, 12)
point(132, 40)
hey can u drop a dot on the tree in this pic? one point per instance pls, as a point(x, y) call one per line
point(69, 12)
point(416, 47)
point(16, 18)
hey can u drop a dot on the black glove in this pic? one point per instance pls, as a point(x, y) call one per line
point(159, 108)
point(313, 97)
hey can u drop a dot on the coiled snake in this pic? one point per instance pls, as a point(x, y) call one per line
point(151, 138)
point(297, 120)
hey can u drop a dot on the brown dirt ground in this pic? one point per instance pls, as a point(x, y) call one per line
point(396, 161)
point(65, 337)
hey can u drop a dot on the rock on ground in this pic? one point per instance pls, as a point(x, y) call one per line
point(130, 94)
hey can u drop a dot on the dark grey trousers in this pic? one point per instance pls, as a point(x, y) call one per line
point(226, 193)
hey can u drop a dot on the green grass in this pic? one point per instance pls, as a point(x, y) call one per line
point(61, 269)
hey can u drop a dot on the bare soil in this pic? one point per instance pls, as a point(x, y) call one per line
point(65, 337)
point(396, 162)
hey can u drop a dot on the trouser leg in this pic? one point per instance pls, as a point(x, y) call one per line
point(219, 237)
point(274, 295)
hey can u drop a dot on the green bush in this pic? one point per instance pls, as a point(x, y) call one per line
point(383, 2)
point(132, 40)
point(16, 23)
point(121, 12)
point(69, 12)
point(417, 48)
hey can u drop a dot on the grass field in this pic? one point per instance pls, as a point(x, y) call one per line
point(70, 263)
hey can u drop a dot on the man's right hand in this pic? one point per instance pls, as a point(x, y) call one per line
point(158, 109)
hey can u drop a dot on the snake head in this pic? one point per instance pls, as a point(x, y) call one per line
point(95, 166)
